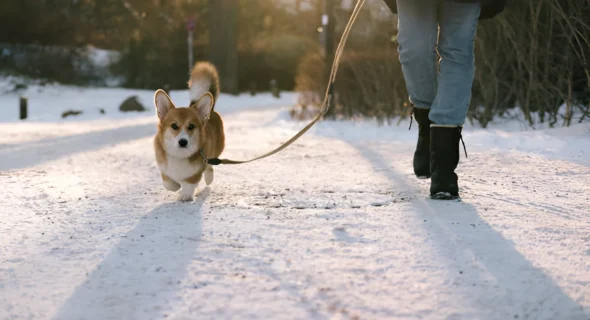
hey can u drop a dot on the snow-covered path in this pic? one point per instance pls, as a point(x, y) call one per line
point(334, 227)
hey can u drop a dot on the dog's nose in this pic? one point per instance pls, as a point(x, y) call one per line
point(182, 143)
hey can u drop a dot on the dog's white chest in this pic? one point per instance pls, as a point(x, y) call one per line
point(180, 169)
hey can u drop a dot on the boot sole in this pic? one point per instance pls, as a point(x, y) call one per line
point(443, 196)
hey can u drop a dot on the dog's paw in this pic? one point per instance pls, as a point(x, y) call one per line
point(184, 197)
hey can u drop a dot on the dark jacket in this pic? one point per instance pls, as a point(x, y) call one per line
point(489, 8)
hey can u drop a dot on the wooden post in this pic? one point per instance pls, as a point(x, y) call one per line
point(252, 88)
point(274, 88)
point(23, 108)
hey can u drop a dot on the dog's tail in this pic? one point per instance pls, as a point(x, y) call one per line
point(204, 78)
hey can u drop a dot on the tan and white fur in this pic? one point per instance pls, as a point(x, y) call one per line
point(184, 132)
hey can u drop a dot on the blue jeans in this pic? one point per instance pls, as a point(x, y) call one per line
point(428, 27)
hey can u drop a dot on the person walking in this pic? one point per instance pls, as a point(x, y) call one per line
point(443, 31)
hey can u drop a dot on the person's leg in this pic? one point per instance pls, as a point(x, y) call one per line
point(458, 22)
point(417, 36)
point(421, 161)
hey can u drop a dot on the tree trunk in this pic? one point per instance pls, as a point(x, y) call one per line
point(223, 42)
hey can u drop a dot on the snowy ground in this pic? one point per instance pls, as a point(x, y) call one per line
point(334, 227)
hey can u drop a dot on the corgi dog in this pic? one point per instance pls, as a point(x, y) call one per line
point(187, 136)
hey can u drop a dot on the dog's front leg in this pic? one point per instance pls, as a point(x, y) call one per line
point(188, 187)
point(170, 184)
point(208, 174)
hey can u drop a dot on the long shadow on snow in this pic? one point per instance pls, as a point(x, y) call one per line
point(477, 248)
point(36, 152)
point(143, 273)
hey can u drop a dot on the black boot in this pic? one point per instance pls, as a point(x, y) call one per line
point(422, 154)
point(444, 158)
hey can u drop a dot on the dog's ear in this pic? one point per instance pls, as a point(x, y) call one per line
point(163, 103)
point(204, 105)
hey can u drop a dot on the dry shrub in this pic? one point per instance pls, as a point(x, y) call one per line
point(368, 84)
point(272, 58)
point(310, 81)
point(534, 56)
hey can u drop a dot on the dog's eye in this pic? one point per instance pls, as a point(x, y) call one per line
point(191, 126)
point(174, 126)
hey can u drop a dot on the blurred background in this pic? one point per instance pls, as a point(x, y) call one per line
point(533, 60)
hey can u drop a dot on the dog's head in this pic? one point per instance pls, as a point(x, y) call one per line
point(181, 130)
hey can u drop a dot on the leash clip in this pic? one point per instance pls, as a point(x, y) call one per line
point(204, 156)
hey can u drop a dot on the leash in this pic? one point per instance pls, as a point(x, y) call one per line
point(325, 104)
